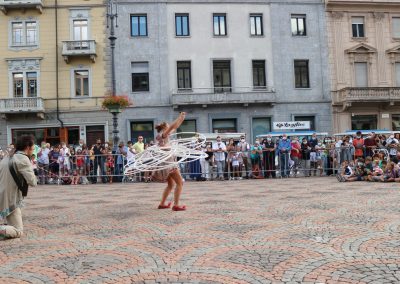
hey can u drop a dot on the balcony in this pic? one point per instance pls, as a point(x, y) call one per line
point(216, 96)
point(79, 48)
point(23, 5)
point(347, 96)
point(21, 105)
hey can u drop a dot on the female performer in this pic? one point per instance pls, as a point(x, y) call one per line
point(171, 175)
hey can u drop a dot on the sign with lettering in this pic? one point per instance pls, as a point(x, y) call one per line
point(291, 125)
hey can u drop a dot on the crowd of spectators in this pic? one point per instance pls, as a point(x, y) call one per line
point(351, 158)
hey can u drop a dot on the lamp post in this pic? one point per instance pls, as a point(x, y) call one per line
point(112, 22)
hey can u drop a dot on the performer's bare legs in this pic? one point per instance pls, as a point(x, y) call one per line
point(166, 192)
point(176, 176)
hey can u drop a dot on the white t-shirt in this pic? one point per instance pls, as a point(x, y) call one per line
point(44, 157)
point(219, 156)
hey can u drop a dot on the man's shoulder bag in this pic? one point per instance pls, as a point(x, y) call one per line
point(19, 179)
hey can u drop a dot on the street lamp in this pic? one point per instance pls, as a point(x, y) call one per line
point(112, 21)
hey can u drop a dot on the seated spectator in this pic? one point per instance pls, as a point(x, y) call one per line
point(389, 174)
point(346, 172)
point(376, 173)
point(360, 173)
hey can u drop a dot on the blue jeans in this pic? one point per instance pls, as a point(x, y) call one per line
point(284, 164)
point(220, 168)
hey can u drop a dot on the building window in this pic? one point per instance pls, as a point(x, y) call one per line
point(224, 125)
point(18, 84)
point(261, 125)
point(80, 29)
point(396, 27)
point(24, 33)
point(222, 76)
point(144, 129)
point(396, 122)
point(256, 25)
point(309, 118)
point(259, 74)
point(140, 76)
point(357, 25)
point(81, 79)
point(397, 66)
point(31, 83)
point(25, 84)
point(361, 74)
point(301, 74)
point(364, 122)
point(184, 75)
point(298, 23)
point(219, 22)
point(182, 25)
point(187, 128)
point(138, 25)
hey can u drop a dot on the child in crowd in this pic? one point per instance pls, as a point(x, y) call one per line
point(346, 172)
point(75, 177)
point(110, 166)
point(235, 165)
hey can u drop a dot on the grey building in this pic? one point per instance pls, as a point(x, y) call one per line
point(232, 66)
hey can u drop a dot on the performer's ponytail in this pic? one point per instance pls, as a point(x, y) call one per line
point(161, 126)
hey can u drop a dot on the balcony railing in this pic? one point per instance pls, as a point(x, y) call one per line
point(73, 48)
point(6, 5)
point(21, 105)
point(347, 96)
point(212, 96)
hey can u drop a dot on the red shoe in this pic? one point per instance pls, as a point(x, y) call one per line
point(178, 208)
point(164, 206)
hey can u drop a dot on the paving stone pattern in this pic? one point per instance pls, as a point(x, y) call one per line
point(250, 231)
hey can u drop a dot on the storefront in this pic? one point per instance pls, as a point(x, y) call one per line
point(71, 134)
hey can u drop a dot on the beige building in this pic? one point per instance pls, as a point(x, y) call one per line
point(364, 57)
point(52, 61)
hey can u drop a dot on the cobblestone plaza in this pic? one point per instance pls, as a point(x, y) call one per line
point(253, 231)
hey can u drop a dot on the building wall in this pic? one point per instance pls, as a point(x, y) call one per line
point(72, 110)
point(381, 68)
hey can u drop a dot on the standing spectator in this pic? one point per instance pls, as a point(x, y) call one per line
point(391, 144)
point(346, 150)
point(219, 149)
point(358, 143)
point(269, 157)
point(295, 154)
point(80, 145)
point(43, 163)
point(121, 153)
point(231, 149)
point(54, 162)
point(210, 160)
point(284, 151)
point(99, 159)
point(313, 142)
point(205, 165)
point(255, 158)
point(244, 147)
point(139, 145)
point(64, 162)
point(370, 144)
point(305, 157)
point(10, 195)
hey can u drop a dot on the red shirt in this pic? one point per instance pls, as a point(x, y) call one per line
point(358, 144)
point(294, 153)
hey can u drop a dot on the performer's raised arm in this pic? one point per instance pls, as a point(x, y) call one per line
point(174, 125)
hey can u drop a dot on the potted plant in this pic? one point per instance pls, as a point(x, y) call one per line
point(115, 104)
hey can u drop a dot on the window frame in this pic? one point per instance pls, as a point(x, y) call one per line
point(255, 16)
point(190, 74)
point(24, 29)
point(131, 25)
point(24, 83)
point(223, 89)
point(357, 25)
point(308, 73)
point(258, 87)
point(220, 15)
point(73, 83)
point(81, 83)
point(297, 17)
point(392, 26)
point(176, 24)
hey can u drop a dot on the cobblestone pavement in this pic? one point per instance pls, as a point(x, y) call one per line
point(256, 231)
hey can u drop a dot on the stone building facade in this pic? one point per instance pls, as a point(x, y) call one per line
point(364, 59)
point(53, 62)
point(233, 66)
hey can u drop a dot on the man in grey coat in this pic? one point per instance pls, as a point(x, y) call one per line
point(10, 195)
